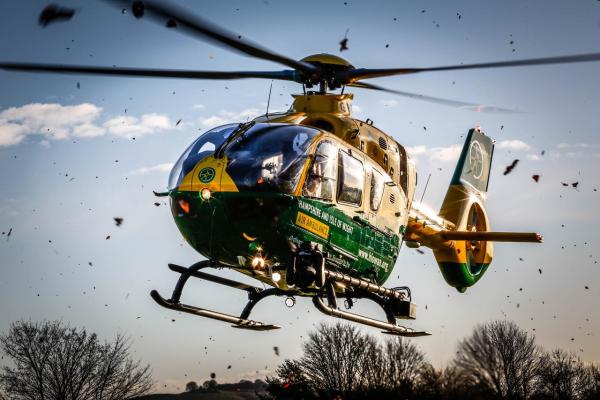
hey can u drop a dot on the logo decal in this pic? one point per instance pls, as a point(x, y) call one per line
point(476, 159)
point(207, 174)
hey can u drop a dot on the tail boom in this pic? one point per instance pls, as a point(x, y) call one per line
point(460, 235)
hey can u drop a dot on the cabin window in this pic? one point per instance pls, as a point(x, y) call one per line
point(376, 189)
point(351, 179)
point(321, 177)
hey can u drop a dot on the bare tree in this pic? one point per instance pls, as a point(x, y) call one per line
point(501, 356)
point(403, 365)
point(335, 356)
point(191, 386)
point(564, 376)
point(339, 360)
point(593, 390)
point(53, 361)
point(290, 382)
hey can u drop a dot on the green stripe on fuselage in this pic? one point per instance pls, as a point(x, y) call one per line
point(220, 229)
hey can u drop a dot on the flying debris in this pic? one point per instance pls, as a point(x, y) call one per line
point(536, 177)
point(344, 42)
point(137, 8)
point(276, 350)
point(510, 167)
point(53, 13)
point(118, 221)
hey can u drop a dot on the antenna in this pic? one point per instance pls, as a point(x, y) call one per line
point(269, 99)
point(424, 190)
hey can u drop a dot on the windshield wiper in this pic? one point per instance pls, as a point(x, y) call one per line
point(239, 131)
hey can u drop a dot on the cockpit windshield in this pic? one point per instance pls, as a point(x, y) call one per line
point(269, 157)
point(202, 147)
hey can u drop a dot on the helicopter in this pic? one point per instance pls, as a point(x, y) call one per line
point(313, 202)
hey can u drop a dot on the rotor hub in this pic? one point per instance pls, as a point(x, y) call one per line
point(330, 67)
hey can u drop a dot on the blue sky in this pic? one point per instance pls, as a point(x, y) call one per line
point(63, 186)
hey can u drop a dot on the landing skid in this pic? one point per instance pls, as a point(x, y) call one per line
point(255, 294)
point(390, 327)
point(392, 301)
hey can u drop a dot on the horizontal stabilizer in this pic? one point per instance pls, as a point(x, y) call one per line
point(529, 237)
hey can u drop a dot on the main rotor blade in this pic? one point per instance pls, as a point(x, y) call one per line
point(437, 100)
point(285, 75)
point(184, 20)
point(366, 73)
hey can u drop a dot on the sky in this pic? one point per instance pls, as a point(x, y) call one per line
point(77, 151)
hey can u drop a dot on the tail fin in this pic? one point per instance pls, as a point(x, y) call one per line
point(463, 264)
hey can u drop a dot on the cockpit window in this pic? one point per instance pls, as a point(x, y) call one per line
point(320, 180)
point(202, 147)
point(269, 157)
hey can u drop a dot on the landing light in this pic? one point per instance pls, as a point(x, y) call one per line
point(205, 193)
point(276, 276)
point(184, 205)
point(290, 301)
point(258, 262)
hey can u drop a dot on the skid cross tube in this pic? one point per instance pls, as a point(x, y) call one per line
point(255, 295)
point(364, 285)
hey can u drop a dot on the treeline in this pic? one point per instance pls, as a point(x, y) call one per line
point(53, 361)
point(497, 361)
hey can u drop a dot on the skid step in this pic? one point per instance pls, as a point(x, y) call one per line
point(201, 312)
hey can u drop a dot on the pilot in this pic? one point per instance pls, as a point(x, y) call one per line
point(318, 186)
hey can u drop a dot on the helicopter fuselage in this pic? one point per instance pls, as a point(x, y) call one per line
point(252, 200)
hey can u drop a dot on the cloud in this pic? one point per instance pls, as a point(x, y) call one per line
point(515, 144)
point(53, 121)
point(564, 146)
point(415, 151)
point(166, 167)
point(443, 154)
point(452, 152)
point(227, 117)
point(198, 107)
point(58, 122)
point(128, 126)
